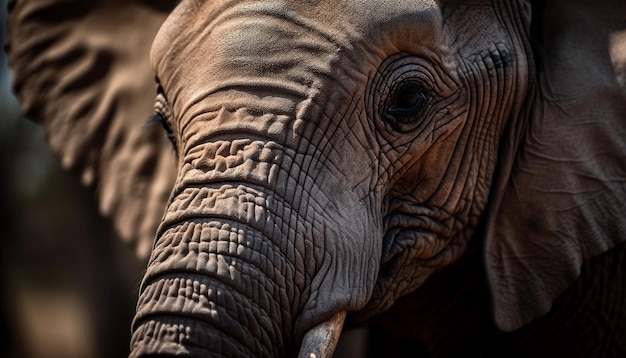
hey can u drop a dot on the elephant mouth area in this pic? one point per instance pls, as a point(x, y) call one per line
point(415, 242)
point(410, 256)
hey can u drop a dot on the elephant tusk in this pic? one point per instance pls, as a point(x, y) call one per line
point(321, 340)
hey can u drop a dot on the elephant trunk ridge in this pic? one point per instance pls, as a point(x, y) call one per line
point(199, 274)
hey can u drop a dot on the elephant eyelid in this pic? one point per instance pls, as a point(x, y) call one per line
point(162, 115)
point(409, 98)
point(406, 104)
point(159, 118)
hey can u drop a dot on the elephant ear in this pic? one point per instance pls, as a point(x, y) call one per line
point(560, 194)
point(81, 68)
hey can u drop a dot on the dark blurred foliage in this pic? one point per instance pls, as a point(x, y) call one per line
point(68, 285)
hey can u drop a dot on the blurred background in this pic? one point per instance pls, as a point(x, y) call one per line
point(68, 286)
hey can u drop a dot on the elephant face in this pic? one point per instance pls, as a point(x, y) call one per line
point(331, 156)
point(326, 163)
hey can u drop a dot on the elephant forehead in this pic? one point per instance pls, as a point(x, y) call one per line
point(239, 35)
point(266, 45)
point(248, 47)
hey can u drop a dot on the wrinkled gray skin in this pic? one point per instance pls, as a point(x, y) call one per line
point(332, 156)
point(299, 194)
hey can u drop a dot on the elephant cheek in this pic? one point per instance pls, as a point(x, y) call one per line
point(346, 278)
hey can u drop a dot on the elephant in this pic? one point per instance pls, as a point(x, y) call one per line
point(451, 173)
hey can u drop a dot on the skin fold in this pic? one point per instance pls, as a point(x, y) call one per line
point(258, 119)
point(344, 157)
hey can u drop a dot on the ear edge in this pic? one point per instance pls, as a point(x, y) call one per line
point(71, 84)
point(587, 164)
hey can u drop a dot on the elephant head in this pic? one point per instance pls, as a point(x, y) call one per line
point(329, 157)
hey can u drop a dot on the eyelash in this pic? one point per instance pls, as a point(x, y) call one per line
point(159, 118)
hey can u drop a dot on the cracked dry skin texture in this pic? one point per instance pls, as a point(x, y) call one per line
point(281, 150)
point(333, 156)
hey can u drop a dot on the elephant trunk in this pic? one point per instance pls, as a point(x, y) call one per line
point(215, 280)
point(236, 262)
point(198, 293)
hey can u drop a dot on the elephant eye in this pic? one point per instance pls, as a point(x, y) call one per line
point(405, 93)
point(407, 102)
point(158, 117)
